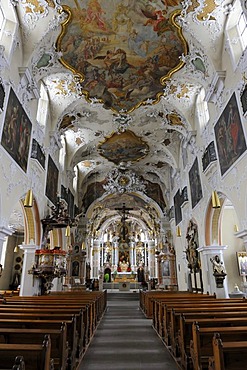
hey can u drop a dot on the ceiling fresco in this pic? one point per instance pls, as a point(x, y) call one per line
point(123, 52)
point(123, 147)
point(123, 79)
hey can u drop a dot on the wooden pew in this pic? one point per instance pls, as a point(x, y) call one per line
point(228, 355)
point(47, 325)
point(146, 299)
point(185, 331)
point(201, 344)
point(18, 364)
point(59, 344)
point(172, 315)
point(36, 356)
point(93, 307)
point(85, 324)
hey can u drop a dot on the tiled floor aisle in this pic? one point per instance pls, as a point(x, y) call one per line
point(125, 340)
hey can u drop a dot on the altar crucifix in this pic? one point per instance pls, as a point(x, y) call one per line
point(124, 211)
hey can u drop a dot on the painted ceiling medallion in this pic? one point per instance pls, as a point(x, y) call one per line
point(123, 50)
point(123, 147)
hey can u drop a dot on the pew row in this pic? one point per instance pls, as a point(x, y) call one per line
point(80, 312)
point(36, 356)
point(59, 345)
point(201, 348)
point(228, 355)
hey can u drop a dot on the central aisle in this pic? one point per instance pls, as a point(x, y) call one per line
point(125, 339)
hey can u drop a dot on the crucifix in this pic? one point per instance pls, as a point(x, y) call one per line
point(124, 210)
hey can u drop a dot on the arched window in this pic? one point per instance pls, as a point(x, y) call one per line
point(202, 113)
point(43, 106)
point(8, 28)
point(62, 153)
point(1, 22)
point(236, 32)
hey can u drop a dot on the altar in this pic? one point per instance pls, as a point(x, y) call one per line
point(122, 277)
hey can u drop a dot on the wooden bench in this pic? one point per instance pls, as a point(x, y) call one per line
point(228, 355)
point(172, 316)
point(201, 344)
point(18, 364)
point(59, 344)
point(185, 332)
point(87, 310)
point(147, 298)
point(47, 325)
point(36, 356)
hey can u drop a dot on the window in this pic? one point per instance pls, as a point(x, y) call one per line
point(8, 28)
point(3, 255)
point(242, 28)
point(236, 32)
point(202, 113)
point(43, 104)
point(1, 22)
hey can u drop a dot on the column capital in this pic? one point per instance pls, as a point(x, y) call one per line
point(212, 249)
point(242, 235)
point(28, 248)
point(5, 231)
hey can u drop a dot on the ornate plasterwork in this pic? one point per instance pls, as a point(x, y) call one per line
point(123, 181)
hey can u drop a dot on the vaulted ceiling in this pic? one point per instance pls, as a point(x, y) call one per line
point(123, 77)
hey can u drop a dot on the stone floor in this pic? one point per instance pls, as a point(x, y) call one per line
point(125, 339)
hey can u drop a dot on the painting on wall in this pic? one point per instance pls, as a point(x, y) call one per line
point(177, 207)
point(38, 153)
point(122, 50)
point(195, 184)
point(17, 129)
point(51, 181)
point(70, 203)
point(229, 135)
point(243, 98)
point(242, 263)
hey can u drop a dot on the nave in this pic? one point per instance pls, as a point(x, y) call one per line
point(125, 339)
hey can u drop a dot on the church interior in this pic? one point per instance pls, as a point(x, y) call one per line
point(123, 128)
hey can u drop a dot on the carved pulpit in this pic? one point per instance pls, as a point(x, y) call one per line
point(76, 268)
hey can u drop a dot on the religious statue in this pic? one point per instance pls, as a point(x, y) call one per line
point(218, 267)
point(124, 266)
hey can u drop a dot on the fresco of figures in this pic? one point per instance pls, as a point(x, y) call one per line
point(17, 131)
point(122, 49)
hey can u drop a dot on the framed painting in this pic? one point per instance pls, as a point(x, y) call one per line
point(229, 136)
point(2, 96)
point(195, 184)
point(64, 193)
point(177, 207)
point(243, 98)
point(17, 129)
point(70, 203)
point(51, 181)
point(242, 263)
point(37, 153)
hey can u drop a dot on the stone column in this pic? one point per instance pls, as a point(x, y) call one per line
point(132, 258)
point(115, 254)
point(29, 284)
point(96, 258)
point(206, 253)
point(151, 258)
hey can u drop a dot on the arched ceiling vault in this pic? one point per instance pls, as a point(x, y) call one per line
point(122, 78)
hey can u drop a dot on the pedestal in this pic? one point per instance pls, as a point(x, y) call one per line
point(208, 252)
